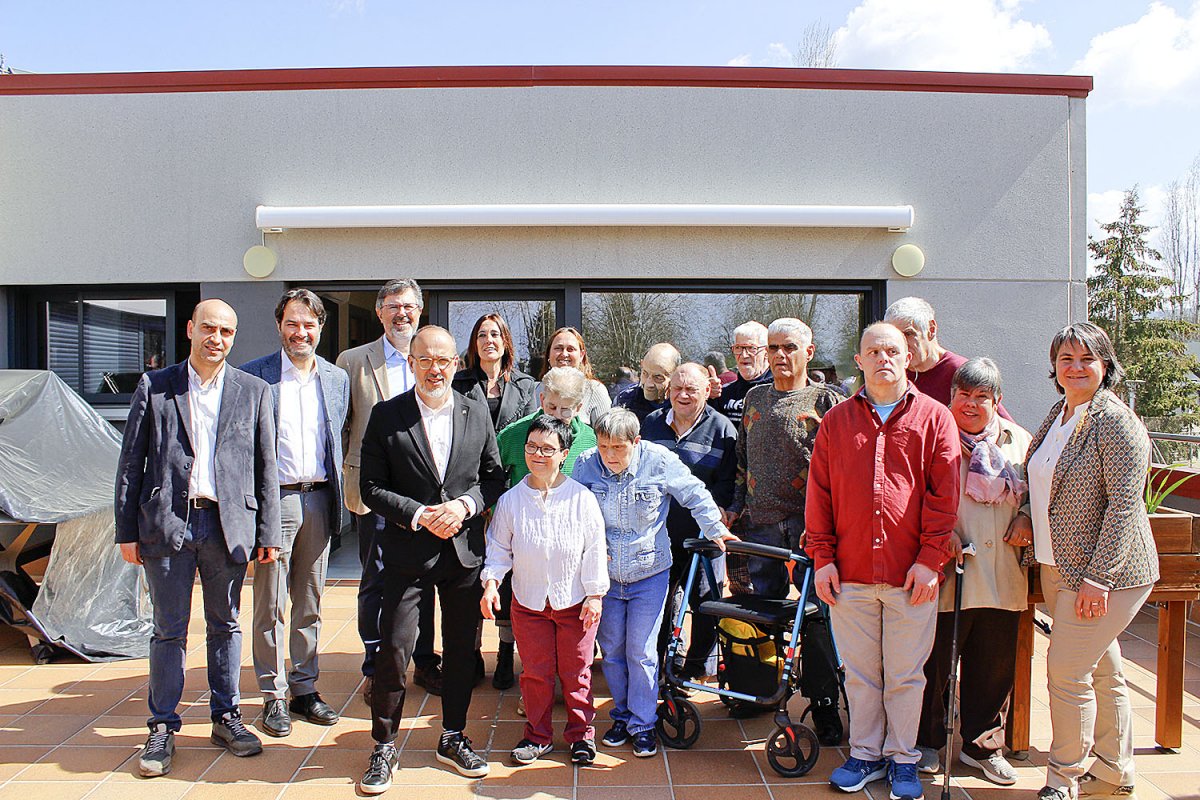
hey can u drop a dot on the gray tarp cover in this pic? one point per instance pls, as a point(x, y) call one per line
point(58, 463)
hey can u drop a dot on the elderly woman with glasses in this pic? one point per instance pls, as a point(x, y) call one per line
point(1086, 519)
point(634, 482)
point(548, 530)
point(995, 585)
point(566, 349)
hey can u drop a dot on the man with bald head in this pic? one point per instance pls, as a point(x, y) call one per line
point(882, 503)
point(429, 467)
point(705, 441)
point(651, 394)
point(198, 492)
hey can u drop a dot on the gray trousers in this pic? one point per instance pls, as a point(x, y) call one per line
point(299, 575)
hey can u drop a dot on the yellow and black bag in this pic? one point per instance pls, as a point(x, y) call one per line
point(751, 663)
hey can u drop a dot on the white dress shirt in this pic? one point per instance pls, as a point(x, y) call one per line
point(439, 431)
point(1041, 476)
point(301, 425)
point(204, 405)
point(399, 375)
point(555, 547)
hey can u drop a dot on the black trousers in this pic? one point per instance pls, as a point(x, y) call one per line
point(459, 592)
point(703, 636)
point(370, 598)
point(987, 646)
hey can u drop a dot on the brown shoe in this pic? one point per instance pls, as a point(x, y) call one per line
point(429, 679)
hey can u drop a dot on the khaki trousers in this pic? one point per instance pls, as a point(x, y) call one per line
point(884, 643)
point(1089, 703)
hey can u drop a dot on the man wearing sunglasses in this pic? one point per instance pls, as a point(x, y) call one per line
point(429, 466)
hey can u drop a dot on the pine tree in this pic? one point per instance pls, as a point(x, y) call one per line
point(1127, 296)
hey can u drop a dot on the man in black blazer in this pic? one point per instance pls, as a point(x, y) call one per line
point(197, 491)
point(430, 467)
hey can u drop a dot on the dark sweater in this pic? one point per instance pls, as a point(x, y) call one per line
point(635, 400)
point(733, 396)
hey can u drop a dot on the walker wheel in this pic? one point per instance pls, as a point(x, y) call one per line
point(678, 722)
point(792, 750)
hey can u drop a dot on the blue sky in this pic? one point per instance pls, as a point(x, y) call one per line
point(1143, 117)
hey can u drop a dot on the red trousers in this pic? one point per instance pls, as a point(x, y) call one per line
point(555, 643)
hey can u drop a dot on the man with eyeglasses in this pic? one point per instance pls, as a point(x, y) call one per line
point(379, 371)
point(779, 425)
point(750, 353)
point(430, 467)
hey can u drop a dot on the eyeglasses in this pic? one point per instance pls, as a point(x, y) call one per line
point(546, 451)
point(746, 349)
point(425, 362)
point(407, 308)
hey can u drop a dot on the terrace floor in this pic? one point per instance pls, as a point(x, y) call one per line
point(72, 730)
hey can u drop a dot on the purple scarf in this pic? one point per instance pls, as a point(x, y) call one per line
point(991, 478)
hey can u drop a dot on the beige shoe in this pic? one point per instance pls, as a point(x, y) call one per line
point(521, 706)
point(1092, 787)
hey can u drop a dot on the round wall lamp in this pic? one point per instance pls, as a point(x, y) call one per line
point(260, 261)
point(908, 260)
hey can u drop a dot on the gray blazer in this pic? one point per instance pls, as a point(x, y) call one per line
point(335, 392)
point(156, 460)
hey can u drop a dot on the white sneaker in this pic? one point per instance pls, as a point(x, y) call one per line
point(995, 768)
point(930, 762)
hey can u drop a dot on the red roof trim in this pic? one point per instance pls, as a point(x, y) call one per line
point(260, 80)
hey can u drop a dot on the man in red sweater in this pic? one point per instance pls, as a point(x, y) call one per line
point(881, 504)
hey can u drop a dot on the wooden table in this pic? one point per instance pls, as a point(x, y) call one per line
point(1178, 540)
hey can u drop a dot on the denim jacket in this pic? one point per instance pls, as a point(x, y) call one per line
point(635, 505)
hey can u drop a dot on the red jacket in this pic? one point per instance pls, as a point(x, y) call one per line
point(882, 497)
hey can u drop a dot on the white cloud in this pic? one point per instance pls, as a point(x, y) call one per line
point(1155, 58)
point(953, 35)
point(777, 55)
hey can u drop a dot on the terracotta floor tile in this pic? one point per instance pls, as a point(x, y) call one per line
point(15, 702)
point(42, 729)
point(425, 736)
point(69, 702)
point(332, 765)
point(753, 792)
point(619, 767)
point(829, 759)
point(797, 790)
point(52, 676)
point(233, 791)
point(44, 791)
point(91, 764)
point(525, 792)
point(420, 768)
point(7, 673)
point(156, 789)
point(186, 768)
point(110, 731)
point(552, 770)
point(275, 766)
point(623, 793)
point(17, 758)
point(705, 768)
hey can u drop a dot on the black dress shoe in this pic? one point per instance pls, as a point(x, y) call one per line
point(429, 679)
point(275, 719)
point(313, 709)
point(503, 677)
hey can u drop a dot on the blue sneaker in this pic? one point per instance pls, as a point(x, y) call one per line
point(856, 773)
point(906, 783)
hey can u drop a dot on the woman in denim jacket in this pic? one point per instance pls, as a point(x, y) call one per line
point(634, 482)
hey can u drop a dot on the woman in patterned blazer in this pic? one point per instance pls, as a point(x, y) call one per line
point(1086, 519)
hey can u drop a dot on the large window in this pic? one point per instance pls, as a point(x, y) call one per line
point(100, 346)
point(620, 325)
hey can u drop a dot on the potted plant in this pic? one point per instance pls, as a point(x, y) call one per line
point(1172, 529)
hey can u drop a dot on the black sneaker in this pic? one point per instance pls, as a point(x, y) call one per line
point(275, 718)
point(230, 732)
point(314, 709)
point(378, 777)
point(158, 752)
point(583, 752)
point(828, 725)
point(617, 735)
point(503, 678)
point(527, 751)
point(645, 744)
point(429, 679)
point(455, 749)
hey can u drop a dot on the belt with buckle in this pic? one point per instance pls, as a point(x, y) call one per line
point(202, 502)
point(304, 486)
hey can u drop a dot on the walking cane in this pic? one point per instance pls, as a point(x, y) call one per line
point(969, 550)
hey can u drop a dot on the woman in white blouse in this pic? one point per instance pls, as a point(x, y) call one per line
point(1086, 519)
point(549, 531)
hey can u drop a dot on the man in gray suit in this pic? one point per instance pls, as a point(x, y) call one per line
point(197, 490)
point(311, 397)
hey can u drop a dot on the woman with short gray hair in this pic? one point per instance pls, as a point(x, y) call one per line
point(995, 585)
point(635, 481)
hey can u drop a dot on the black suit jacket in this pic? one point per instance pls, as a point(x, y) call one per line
point(156, 460)
point(398, 476)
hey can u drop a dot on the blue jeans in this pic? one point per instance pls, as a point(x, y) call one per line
point(769, 576)
point(628, 638)
point(171, 579)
